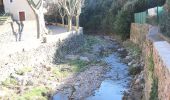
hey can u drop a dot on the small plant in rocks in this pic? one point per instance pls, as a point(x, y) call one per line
point(134, 70)
point(24, 70)
point(10, 82)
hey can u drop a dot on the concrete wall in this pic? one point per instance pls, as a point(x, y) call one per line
point(150, 42)
point(16, 6)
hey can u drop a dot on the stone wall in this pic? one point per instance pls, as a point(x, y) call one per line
point(31, 53)
point(138, 33)
point(153, 46)
point(161, 52)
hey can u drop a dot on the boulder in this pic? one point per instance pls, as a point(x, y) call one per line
point(84, 59)
point(71, 57)
point(131, 63)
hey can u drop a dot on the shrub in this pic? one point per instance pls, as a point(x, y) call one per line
point(134, 70)
point(69, 46)
point(78, 65)
point(164, 23)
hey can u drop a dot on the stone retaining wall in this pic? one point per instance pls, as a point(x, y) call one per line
point(153, 47)
point(161, 52)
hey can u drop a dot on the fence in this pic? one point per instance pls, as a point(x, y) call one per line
point(140, 17)
point(154, 15)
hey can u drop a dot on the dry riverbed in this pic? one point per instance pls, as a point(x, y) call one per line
point(76, 77)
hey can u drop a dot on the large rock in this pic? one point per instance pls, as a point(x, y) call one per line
point(71, 57)
point(84, 59)
point(131, 63)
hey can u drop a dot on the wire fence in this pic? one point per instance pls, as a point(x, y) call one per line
point(158, 17)
point(149, 16)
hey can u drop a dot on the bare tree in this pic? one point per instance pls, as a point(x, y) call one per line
point(37, 7)
point(69, 6)
point(62, 13)
point(78, 12)
point(61, 10)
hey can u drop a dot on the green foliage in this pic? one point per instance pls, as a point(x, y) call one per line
point(133, 48)
point(151, 66)
point(164, 23)
point(94, 23)
point(154, 90)
point(10, 82)
point(33, 93)
point(134, 70)
point(100, 15)
point(78, 65)
point(151, 63)
point(59, 73)
point(91, 40)
point(24, 70)
point(123, 23)
point(108, 23)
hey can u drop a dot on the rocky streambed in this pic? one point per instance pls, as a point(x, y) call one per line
point(99, 83)
point(109, 82)
point(101, 69)
point(116, 81)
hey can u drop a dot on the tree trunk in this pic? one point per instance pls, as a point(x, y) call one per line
point(69, 23)
point(41, 28)
point(77, 22)
point(38, 25)
point(62, 21)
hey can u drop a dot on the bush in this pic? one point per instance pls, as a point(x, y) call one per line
point(122, 23)
point(100, 15)
point(69, 46)
point(164, 23)
point(134, 70)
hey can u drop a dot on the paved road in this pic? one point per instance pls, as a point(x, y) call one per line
point(154, 34)
point(56, 29)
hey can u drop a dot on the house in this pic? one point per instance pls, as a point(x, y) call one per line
point(20, 10)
